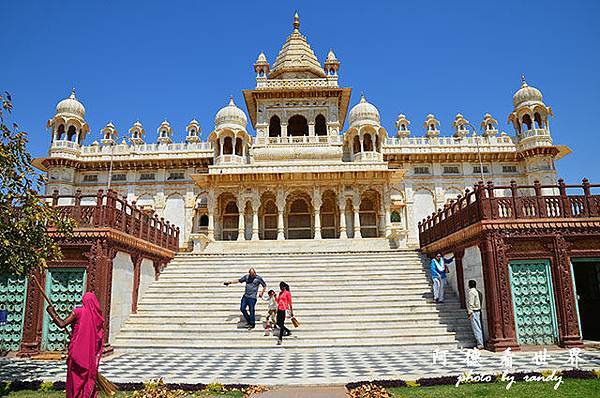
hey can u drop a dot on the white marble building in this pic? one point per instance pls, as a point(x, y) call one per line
point(298, 171)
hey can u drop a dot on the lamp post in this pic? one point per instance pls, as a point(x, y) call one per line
point(110, 167)
point(476, 139)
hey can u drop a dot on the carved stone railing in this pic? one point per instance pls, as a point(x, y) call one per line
point(230, 159)
point(508, 203)
point(266, 84)
point(110, 211)
point(502, 143)
point(300, 140)
point(368, 156)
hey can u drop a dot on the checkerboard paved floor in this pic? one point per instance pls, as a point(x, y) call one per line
point(289, 367)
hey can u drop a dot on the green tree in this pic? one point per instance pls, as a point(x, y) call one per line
point(24, 217)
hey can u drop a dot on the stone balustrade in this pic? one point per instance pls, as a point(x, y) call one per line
point(110, 211)
point(525, 202)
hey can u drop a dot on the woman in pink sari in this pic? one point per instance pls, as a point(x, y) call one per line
point(85, 349)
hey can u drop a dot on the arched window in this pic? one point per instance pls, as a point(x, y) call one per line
point(402, 127)
point(356, 144)
point(275, 126)
point(238, 146)
point(203, 221)
point(490, 126)
point(367, 143)
point(71, 133)
point(261, 73)
point(432, 127)
point(218, 147)
point(320, 125)
point(377, 144)
point(527, 122)
point(60, 132)
point(228, 146)
point(297, 126)
point(538, 121)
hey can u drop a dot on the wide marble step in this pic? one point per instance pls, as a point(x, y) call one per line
point(359, 297)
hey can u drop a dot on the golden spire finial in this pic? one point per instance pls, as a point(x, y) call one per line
point(523, 82)
point(296, 21)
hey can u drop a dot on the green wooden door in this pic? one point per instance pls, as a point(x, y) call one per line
point(533, 300)
point(13, 293)
point(64, 287)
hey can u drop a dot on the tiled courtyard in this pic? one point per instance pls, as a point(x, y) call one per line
point(292, 367)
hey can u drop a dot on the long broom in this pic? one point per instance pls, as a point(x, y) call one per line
point(102, 383)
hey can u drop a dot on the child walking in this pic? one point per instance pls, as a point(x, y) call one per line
point(272, 312)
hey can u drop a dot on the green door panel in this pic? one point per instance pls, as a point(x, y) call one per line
point(533, 301)
point(13, 293)
point(65, 288)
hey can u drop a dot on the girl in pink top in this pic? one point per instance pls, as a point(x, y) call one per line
point(86, 346)
point(284, 303)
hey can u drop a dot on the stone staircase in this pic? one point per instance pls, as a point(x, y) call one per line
point(376, 298)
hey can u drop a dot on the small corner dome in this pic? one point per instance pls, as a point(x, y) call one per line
point(71, 106)
point(364, 112)
point(262, 58)
point(526, 94)
point(331, 56)
point(231, 115)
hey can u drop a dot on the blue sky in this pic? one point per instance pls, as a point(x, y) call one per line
point(183, 59)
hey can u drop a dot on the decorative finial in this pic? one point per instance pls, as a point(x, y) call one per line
point(296, 21)
point(362, 97)
point(523, 82)
point(72, 96)
point(231, 103)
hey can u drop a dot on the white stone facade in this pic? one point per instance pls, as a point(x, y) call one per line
point(300, 175)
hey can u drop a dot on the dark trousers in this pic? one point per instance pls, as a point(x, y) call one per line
point(280, 323)
point(249, 315)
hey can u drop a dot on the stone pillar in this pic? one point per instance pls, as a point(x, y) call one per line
point(210, 205)
point(356, 208)
point(460, 278)
point(568, 323)
point(136, 259)
point(280, 202)
point(34, 317)
point(342, 206)
point(255, 207)
point(382, 220)
point(311, 128)
point(501, 320)
point(211, 226)
point(388, 221)
point(241, 220)
point(284, 131)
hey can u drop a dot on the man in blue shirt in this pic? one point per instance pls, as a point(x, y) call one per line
point(253, 281)
point(438, 275)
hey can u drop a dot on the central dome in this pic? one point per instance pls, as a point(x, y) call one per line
point(71, 106)
point(364, 112)
point(232, 116)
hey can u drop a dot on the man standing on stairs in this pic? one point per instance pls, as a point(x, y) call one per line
point(474, 312)
point(252, 281)
point(438, 274)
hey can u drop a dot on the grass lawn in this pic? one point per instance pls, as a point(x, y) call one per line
point(569, 388)
point(61, 394)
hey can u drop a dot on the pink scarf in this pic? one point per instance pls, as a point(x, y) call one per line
point(85, 350)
